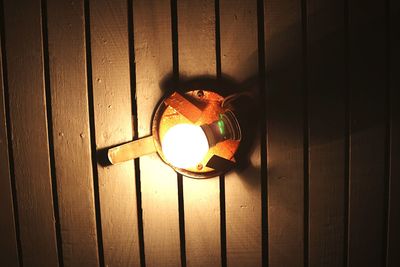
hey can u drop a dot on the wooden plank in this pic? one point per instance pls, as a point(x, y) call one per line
point(113, 123)
point(285, 133)
point(71, 134)
point(8, 242)
point(239, 60)
point(367, 83)
point(327, 123)
point(393, 255)
point(153, 57)
point(23, 41)
point(196, 48)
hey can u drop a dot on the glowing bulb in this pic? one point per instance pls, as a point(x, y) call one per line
point(185, 145)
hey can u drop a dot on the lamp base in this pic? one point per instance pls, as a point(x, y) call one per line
point(206, 108)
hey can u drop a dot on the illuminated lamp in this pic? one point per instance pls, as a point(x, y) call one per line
point(196, 133)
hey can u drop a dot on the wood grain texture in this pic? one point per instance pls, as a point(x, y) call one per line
point(113, 125)
point(69, 103)
point(368, 85)
point(327, 123)
point(394, 182)
point(153, 57)
point(285, 116)
point(196, 48)
point(8, 241)
point(29, 132)
point(196, 38)
point(239, 60)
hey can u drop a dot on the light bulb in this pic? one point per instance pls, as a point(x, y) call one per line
point(185, 145)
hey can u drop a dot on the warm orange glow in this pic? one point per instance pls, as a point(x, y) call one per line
point(185, 145)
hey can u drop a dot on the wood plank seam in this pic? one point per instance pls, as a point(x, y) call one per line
point(179, 177)
point(132, 67)
point(9, 135)
point(222, 205)
point(222, 200)
point(306, 149)
point(181, 209)
point(50, 130)
point(388, 136)
point(347, 136)
point(92, 129)
point(264, 132)
point(393, 233)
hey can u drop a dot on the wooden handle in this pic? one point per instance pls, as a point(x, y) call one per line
point(131, 150)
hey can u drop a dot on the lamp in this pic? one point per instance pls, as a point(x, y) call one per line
point(185, 145)
point(196, 133)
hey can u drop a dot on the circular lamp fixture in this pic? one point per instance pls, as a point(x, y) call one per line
point(196, 133)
